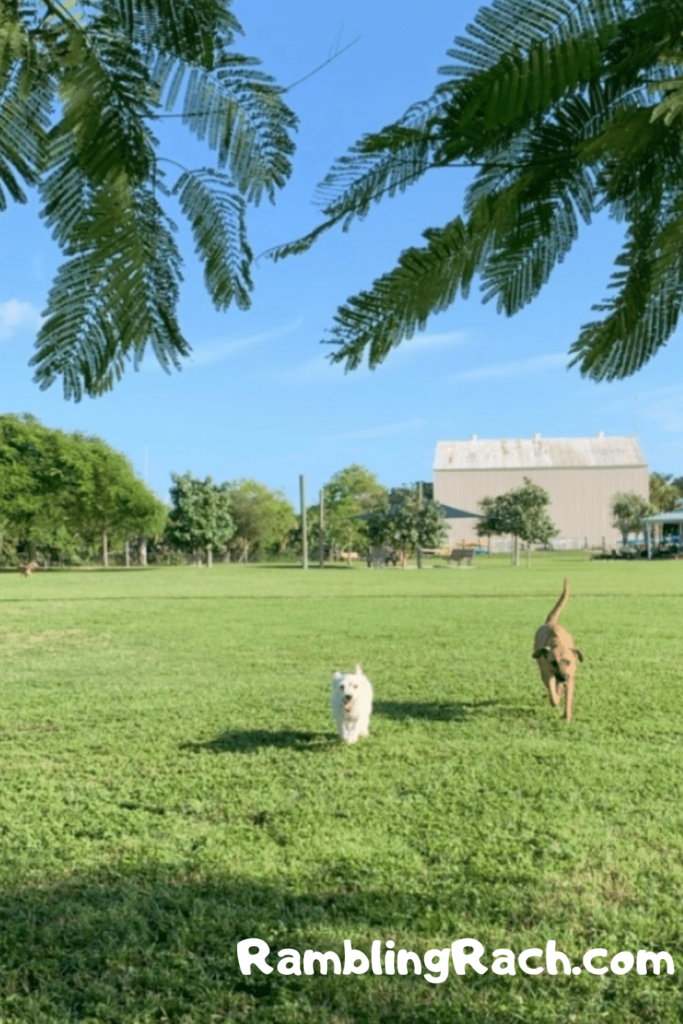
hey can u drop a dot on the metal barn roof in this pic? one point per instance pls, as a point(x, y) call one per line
point(539, 453)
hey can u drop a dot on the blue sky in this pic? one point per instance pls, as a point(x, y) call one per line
point(258, 398)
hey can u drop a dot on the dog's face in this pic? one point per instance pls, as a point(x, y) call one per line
point(346, 688)
point(351, 692)
point(560, 659)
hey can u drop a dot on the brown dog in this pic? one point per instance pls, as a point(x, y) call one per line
point(556, 655)
point(26, 570)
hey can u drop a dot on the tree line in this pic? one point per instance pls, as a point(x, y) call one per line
point(69, 498)
point(355, 512)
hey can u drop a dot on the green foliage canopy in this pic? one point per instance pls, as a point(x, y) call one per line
point(263, 519)
point(407, 522)
point(200, 515)
point(81, 86)
point(520, 512)
point(664, 493)
point(57, 489)
point(348, 496)
point(564, 107)
point(628, 509)
point(112, 499)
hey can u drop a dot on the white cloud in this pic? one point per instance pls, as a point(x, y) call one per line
point(663, 406)
point(383, 430)
point(515, 368)
point(314, 371)
point(229, 349)
point(16, 316)
point(320, 369)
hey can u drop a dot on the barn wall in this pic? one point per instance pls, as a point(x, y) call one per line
point(580, 498)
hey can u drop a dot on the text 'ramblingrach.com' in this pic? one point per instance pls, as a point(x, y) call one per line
point(435, 964)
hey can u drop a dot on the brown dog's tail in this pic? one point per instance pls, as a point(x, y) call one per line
point(554, 614)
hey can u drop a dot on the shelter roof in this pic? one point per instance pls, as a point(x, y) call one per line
point(665, 517)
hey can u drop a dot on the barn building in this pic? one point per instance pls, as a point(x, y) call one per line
point(581, 475)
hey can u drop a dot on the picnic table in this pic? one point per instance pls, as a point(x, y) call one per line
point(380, 556)
point(463, 556)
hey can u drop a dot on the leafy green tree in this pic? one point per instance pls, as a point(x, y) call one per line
point(520, 512)
point(81, 86)
point(199, 519)
point(628, 509)
point(60, 490)
point(664, 494)
point(263, 519)
point(349, 496)
point(407, 523)
point(111, 502)
point(564, 108)
point(39, 470)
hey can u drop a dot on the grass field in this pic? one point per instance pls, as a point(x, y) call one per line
point(171, 784)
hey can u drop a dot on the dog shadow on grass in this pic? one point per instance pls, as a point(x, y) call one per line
point(434, 711)
point(244, 741)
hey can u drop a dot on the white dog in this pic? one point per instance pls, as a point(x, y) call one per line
point(351, 704)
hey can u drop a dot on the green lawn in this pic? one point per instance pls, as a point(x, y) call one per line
point(172, 783)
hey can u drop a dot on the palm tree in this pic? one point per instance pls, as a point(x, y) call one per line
point(81, 85)
point(564, 107)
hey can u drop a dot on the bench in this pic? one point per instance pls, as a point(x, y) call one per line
point(463, 556)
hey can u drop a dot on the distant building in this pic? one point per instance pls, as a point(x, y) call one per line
point(581, 475)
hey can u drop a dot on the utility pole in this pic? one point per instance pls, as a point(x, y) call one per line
point(321, 529)
point(418, 549)
point(304, 536)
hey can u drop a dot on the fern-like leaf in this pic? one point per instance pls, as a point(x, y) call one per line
point(379, 165)
point(508, 27)
point(216, 211)
point(239, 112)
point(425, 281)
point(113, 298)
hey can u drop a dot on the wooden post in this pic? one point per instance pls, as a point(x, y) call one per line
point(418, 549)
point(304, 537)
point(321, 529)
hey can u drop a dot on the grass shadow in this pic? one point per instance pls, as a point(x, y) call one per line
point(244, 741)
point(434, 711)
point(155, 943)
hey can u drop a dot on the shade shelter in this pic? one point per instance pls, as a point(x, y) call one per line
point(457, 513)
point(650, 523)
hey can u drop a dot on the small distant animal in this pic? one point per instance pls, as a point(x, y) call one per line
point(27, 569)
point(351, 704)
point(557, 656)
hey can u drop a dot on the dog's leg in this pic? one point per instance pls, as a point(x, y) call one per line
point(552, 690)
point(569, 687)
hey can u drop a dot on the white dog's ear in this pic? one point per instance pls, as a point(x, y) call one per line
point(359, 670)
